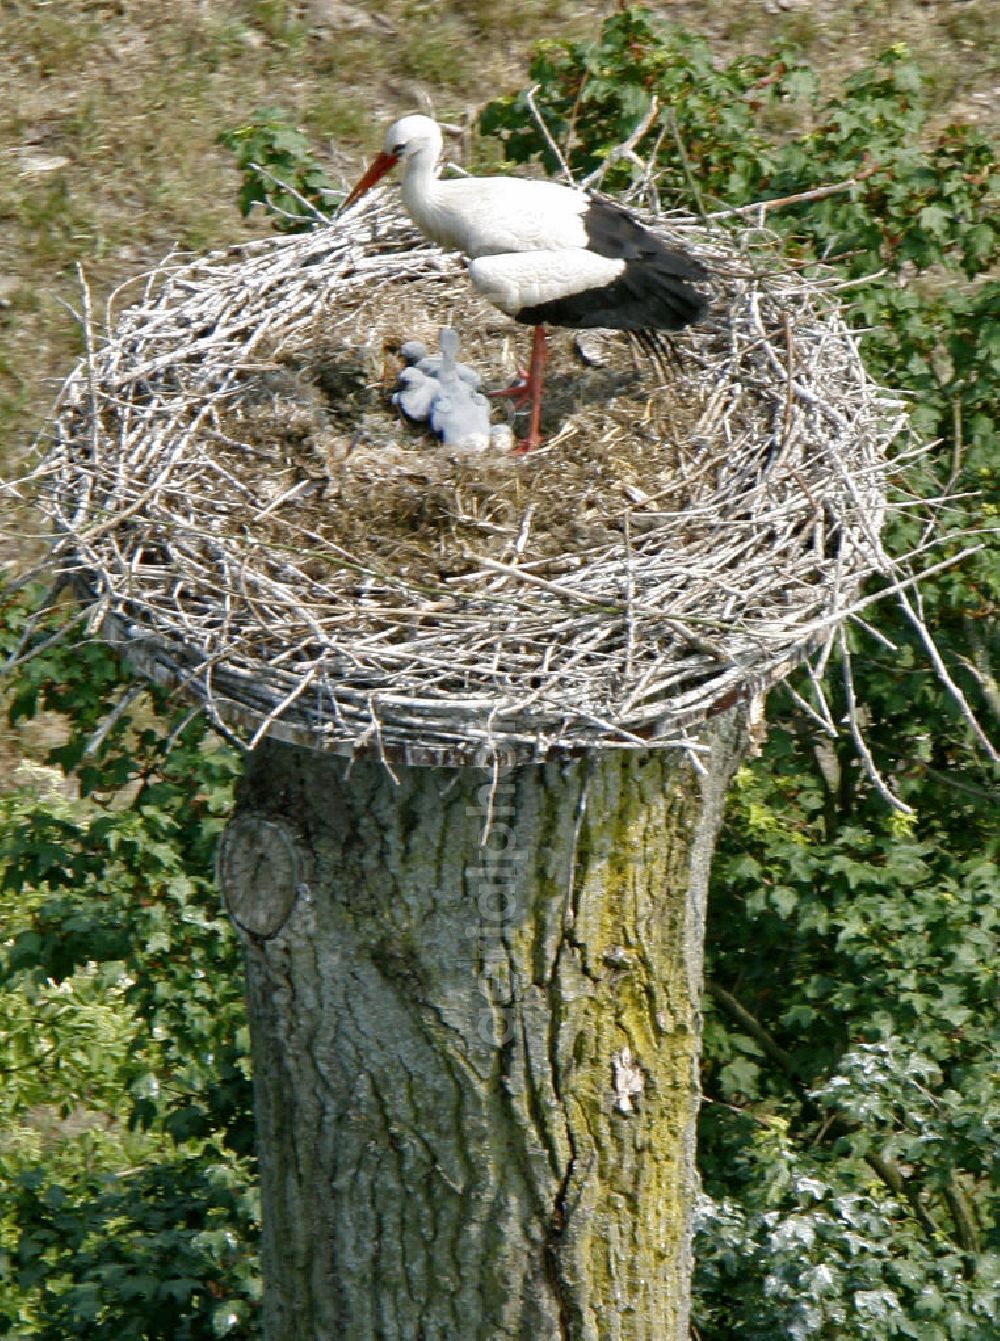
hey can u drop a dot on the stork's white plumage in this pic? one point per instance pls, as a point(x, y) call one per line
point(545, 254)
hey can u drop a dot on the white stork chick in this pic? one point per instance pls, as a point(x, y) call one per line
point(543, 253)
point(445, 393)
point(461, 415)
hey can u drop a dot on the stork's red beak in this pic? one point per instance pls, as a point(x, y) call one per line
point(378, 169)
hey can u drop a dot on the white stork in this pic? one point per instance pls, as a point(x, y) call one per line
point(545, 254)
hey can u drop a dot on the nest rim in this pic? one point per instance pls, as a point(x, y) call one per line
point(665, 653)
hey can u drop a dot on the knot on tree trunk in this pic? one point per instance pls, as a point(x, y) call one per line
point(261, 869)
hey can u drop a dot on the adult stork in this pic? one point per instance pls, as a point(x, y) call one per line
point(545, 254)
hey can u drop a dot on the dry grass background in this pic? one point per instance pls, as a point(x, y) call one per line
point(109, 112)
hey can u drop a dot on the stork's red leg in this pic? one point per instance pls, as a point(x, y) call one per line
point(536, 377)
point(528, 387)
point(519, 390)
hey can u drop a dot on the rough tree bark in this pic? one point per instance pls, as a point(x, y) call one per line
point(474, 1004)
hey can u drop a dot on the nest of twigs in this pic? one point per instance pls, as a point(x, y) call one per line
point(258, 526)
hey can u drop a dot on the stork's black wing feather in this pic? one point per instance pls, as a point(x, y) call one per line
point(614, 232)
point(652, 292)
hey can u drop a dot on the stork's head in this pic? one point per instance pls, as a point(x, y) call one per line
point(410, 135)
point(408, 138)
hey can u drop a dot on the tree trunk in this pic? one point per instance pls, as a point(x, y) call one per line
point(474, 1003)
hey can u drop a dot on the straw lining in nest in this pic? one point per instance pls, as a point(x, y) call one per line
point(257, 526)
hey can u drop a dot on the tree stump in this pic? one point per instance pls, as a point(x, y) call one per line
point(474, 1004)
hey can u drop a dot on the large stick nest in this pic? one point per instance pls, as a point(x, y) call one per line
point(255, 522)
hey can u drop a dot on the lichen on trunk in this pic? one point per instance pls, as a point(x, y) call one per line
point(474, 1002)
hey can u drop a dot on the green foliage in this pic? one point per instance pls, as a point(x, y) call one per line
point(280, 171)
point(125, 1105)
point(865, 956)
point(591, 96)
point(160, 1253)
point(824, 1258)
